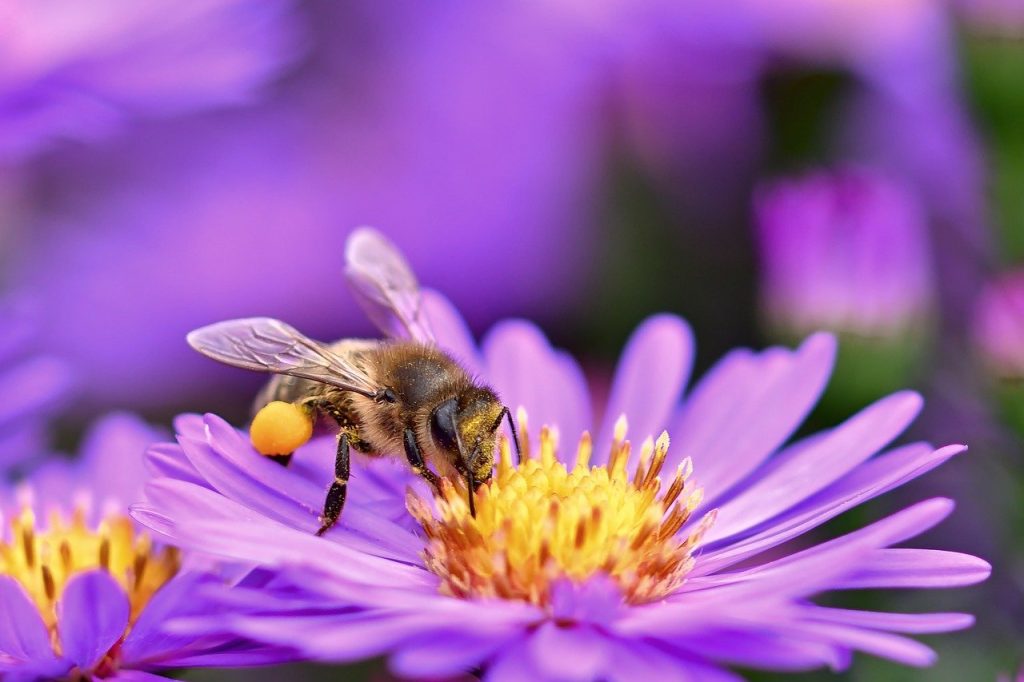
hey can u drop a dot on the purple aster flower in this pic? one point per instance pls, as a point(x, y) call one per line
point(998, 339)
point(994, 17)
point(846, 251)
point(67, 71)
point(999, 326)
point(31, 386)
point(84, 592)
point(599, 561)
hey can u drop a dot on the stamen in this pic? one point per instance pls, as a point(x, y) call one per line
point(539, 522)
point(43, 561)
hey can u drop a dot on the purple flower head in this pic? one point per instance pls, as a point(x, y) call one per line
point(998, 327)
point(845, 251)
point(84, 592)
point(70, 71)
point(995, 17)
point(601, 560)
point(31, 387)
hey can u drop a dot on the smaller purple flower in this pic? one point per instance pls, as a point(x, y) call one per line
point(31, 387)
point(71, 71)
point(84, 592)
point(843, 250)
point(998, 338)
point(998, 328)
point(993, 17)
point(847, 251)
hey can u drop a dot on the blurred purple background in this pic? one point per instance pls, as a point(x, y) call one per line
point(763, 167)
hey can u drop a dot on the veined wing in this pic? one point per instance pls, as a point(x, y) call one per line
point(264, 344)
point(385, 286)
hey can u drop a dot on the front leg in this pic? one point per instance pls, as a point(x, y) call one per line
point(335, 500)
point(415, 457)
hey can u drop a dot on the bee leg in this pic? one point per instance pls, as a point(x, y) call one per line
point(335, 500)
point(415, 457)
point(283, 460)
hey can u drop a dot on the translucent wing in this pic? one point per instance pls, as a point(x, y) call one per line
point(264, 344)
point(385, 286)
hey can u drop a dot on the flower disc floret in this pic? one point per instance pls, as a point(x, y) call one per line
point(44, 560)
point(538, 522)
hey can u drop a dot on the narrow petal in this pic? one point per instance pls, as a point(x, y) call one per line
point(527, 372)
point(23, 635)
point(870, 480)
point(549, 647)
point(91, 616)
point(756, 648)
point(149, 641)
point(885, 645)
point(451, 331)
point(136, 676)
point(513, 665)
point(445, 654)
point(796, 475)
point(917, 568)
point(891, 530)
point(649, 380)
point(907, 623)
point(168, 459)
point(746, 408)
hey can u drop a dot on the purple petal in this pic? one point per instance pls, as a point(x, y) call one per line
point(114, 448)
point(598, 601)
point(38, 383)
point(649, 380)
point(92, 615)
point(746, 408)
point(762, 649)
point(917, 568)
point(445, 653)
point(526, 371)
point(631, 660)
point(798, 473)
point(900, 526)
point(451, 331)
point(169, 460)
point(513, 665)
point(148, 641)
point(717, 598)
point(909, 623)
point(884, 645)
point(23, 635)
point(136, 676)
point(872, 479)
point(568, 653)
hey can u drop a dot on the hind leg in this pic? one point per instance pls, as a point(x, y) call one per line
point(335, 500)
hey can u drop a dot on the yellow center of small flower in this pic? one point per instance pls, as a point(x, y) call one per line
point(539, 522)
point(43, 561)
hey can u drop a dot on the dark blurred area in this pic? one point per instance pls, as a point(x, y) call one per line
point(765, 169)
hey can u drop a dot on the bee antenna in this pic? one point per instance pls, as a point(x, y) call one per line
point(507, 413)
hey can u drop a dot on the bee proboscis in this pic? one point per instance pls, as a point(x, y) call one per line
point(401, 394)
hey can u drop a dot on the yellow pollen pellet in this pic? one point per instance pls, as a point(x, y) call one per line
point(280, 428)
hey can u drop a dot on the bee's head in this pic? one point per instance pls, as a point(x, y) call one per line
point(465, 427)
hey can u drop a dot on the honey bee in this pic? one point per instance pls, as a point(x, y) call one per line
point(402, 394)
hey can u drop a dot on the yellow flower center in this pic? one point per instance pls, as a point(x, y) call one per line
point(538, 522)
point(43, 561)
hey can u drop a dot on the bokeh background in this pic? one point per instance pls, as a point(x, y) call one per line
point(763, 167)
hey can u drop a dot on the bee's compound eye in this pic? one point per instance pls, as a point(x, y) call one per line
point(279, 428)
